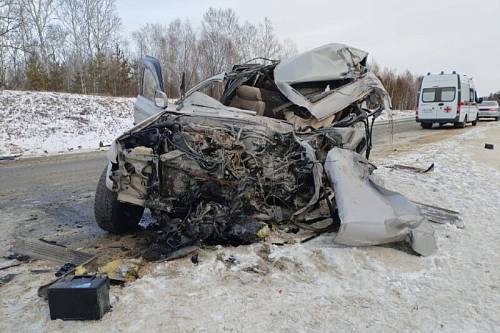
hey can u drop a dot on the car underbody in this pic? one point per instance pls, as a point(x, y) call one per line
point(287, 144)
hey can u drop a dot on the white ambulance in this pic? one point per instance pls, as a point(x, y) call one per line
point(447, 98)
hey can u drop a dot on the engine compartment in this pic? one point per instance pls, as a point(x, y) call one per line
point(213, 180)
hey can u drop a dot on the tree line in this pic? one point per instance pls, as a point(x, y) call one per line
point(76, 46)
point(402, 87)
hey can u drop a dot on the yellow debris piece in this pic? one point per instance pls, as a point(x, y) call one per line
point(264, 232)
point(80, 270)
point(125, 270)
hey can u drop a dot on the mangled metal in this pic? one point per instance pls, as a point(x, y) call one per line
point(369, 213)
point(328, 79)
point(227, 171)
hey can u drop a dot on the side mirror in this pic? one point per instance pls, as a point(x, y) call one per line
point(480, 100)
point(161, 99)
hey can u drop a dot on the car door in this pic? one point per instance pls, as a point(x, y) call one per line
point(151, 83)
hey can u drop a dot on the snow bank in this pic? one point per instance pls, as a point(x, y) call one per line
point(47, 122)
point(395, 115)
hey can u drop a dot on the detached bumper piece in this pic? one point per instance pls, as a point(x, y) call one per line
point(369, 213)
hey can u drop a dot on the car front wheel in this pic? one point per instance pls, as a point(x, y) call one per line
point(110, 214)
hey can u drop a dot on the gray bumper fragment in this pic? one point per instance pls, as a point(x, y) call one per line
point(369, 213)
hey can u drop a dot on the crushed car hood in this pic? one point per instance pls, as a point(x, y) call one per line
point(331, 62)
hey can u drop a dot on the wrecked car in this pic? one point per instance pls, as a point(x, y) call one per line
point(286, 143)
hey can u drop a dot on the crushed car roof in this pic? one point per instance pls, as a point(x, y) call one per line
point(331, 62)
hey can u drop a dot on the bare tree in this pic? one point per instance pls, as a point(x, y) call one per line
point(77, 42)
point(182, 50)
point(218, 41)
point(40, 13)
point(92, 28)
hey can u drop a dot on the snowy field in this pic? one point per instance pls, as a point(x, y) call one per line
point(320, 286)
point(37, 123)
point(40, 123)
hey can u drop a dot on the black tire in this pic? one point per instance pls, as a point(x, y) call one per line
point(426, 125)
point(474, 123)
point(497, 118)
point(459, 124)
point(110, 214)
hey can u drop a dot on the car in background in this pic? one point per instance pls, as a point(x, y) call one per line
point(489, 109)
point(447, 98)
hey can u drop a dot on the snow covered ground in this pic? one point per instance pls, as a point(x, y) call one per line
point(319, 286)
point(46, 122)
point(39, 123)
point(396, 115)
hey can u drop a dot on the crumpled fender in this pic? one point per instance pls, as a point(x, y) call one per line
point(369, 213)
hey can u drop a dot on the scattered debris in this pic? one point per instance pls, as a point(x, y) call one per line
point(121, 270)
point(79, 298)
point(80, 270)
point(65, 269)
point(40, 271)
point(177, 254)
point(440, 215)
point(48, 251)
point(9, 265)
point(9, 157)
point(194, 259)
point(412, 168)
point(17, 256)
point(6, 278)
point(489, 146)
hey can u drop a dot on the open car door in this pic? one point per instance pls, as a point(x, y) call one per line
point(151, 98)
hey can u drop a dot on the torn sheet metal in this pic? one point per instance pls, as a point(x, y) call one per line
point(329, 63)
point(369, 213)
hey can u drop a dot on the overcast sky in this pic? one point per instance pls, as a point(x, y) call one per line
point(420, 35)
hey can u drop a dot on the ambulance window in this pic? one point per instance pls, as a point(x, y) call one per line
point(472, 94)
point(447, 94)
point(429, 95)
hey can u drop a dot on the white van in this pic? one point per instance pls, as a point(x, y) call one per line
point(447, 98)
